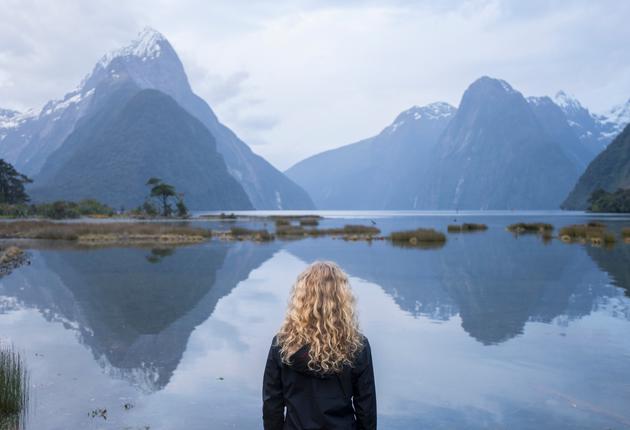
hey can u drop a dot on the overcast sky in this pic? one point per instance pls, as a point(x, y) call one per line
point(293, 78)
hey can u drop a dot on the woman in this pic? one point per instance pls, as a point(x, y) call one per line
point(319, 366)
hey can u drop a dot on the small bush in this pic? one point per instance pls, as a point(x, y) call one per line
point(466, 227)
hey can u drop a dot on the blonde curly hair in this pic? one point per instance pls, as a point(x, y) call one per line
point(322, 315)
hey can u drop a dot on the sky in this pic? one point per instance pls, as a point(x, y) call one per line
point(296, 77)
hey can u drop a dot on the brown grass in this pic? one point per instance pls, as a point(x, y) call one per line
point(102, 232)
point(242, 233)
point(532, 227)
point(420, 237)
point(593, 232)
point(466, 228)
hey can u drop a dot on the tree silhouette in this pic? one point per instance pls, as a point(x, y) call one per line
point(12, 184)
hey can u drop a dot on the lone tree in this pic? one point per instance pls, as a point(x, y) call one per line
point(163, 192)
point(12, 184)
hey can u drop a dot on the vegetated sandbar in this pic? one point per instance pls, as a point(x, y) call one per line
point(104, 233)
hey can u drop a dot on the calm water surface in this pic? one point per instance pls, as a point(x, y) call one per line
point(488, 332)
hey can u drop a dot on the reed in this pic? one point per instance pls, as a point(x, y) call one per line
point(309, 222)
point(532, 227)
point(14, 381)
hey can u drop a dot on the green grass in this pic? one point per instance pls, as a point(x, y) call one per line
point(420, 237)
point(14, 382)
point(532, 227)
point(593, 232)
point(466, 227)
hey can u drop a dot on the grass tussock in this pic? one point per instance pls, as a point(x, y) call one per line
point(466, 228)
point(531, 227)
point(14, 382)
point(282, 222)
point(242, 233)
point(593, 232)
point(420, 237)
point(102, 232)
point(625, 233)
point(309, 222)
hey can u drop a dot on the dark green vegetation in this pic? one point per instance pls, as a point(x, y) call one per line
point(531, 227)
point(609, 171)
point(57, 210)
point(12, 185)
point(103, 233)
point(593, 232)
point(13, 387)
point(466, 227)
point(420, 237)
point(164, 193)
point(603, 201)
point(134, 136)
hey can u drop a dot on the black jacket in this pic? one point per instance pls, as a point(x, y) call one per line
point(316, 401)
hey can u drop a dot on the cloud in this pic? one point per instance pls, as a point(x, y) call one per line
point(305, 76)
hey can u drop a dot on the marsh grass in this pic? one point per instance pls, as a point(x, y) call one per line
point(420, 238)
point(309, 222)
point(349, 231)
point(14, 382)
point(242, 233)
point(102, 232)
point(593, 232)
point(531, 227)
point(466, 228)
point(625, 233)
point(282, 222)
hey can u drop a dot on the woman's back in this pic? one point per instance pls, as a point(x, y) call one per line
point(319, 372)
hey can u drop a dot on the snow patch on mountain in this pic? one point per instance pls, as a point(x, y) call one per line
point(430, 112)
point(146, 46)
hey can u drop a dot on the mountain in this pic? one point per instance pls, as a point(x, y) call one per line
point(610, 171)
point(378, 172)
point(495, 154)
point(595, 131)
point(555, 124)
point(136, 135)
point(498, 150)
point(149, 62)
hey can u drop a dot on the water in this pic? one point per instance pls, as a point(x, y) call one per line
point(488, 332)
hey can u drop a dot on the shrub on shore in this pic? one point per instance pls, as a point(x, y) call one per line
point(466, 227)
point(60, 209)
point(13, 387)
point(532, 227)
point(420, 237)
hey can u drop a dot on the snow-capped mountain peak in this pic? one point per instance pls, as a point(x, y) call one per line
point(567, 101)
point(430, 112)
point(146, 46)
point(619, 115)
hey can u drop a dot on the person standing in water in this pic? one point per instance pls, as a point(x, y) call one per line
point(319, 371)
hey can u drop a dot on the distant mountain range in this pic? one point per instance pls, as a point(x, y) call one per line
point(498, 150)
point(29, 139)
